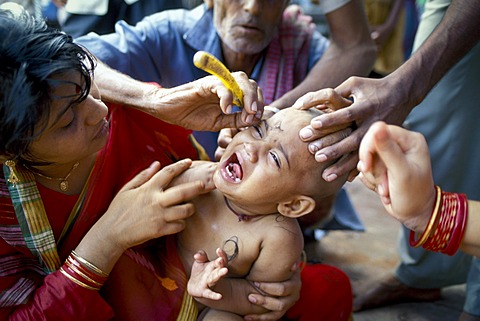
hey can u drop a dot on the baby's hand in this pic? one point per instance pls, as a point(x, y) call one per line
point(205, 275)
point(198, 171)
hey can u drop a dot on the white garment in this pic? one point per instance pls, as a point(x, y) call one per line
point(328, 6)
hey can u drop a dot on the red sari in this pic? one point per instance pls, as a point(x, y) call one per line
point(28, 290)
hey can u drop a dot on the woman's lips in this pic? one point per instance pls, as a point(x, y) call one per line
point(103, 129)
point(232, 169)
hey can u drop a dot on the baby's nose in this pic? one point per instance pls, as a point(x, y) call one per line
point(252, 152)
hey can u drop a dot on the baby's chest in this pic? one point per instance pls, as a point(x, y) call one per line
point(241, 246)
point(241, 242)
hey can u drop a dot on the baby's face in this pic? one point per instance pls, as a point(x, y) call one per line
point(267, 163)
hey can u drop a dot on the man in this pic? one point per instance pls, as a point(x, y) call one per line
point(276, 47)
point(161, 47)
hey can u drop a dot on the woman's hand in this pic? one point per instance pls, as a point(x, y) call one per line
point(225, 137)
point(142, 210)
point(206, 104)
point(395, 163)
point(278, 296)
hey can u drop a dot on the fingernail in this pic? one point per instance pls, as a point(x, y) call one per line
point(254, 106)
point(306, 133)
point(249, 119)
point(330, 177)
point(381, 190)
point(229, 109)
point(360, 166)
point(313, 148)
point(320, 158)
point(252, 299)
point(259, 114)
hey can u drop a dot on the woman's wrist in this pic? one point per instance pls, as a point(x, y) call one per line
point(100, 248)
point(446, 225)
point(83, 273)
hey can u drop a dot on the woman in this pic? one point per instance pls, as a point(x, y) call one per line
point(73, 207)
point(395, 163)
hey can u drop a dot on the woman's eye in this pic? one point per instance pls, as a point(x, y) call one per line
point(275, 159)
point(68, 125)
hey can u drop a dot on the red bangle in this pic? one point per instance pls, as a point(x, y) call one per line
point(84, 276)
point(459, 227)
point(451, 225)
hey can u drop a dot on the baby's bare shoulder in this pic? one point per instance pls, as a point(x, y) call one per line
point(283, 229)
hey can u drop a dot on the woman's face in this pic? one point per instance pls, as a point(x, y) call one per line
point(72, 131)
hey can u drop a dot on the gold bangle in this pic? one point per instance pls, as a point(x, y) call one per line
point(71, 278)
point(73, 267)
point(89, 265)
point(432, 222)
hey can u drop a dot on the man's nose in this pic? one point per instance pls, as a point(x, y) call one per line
point(252, 6)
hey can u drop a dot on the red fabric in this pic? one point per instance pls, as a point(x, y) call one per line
point(136, 140)
point(155, 279)
point(326, 295)
point(58, 206)
point(60, 299)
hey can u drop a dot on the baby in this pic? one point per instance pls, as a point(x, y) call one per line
point(264, 181)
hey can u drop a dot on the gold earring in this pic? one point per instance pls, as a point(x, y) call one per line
point(13, 179)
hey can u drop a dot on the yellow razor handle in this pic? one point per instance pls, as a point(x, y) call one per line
point(207, 62)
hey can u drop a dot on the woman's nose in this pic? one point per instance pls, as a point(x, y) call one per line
point(251, 149)
point(95, 110)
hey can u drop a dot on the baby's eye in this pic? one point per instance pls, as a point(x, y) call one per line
point(275, 159)
point(258, 130)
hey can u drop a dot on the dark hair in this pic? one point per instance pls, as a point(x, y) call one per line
point(30, 53)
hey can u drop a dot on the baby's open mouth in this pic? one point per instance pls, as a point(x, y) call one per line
point(233, 169)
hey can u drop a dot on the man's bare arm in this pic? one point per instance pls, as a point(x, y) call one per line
point(351, 52)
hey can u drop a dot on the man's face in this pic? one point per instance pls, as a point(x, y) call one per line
point(268, 163)
point(247, 26)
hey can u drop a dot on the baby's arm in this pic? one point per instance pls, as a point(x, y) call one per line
point(198, 171)
point(205, 275)
point(274, 264)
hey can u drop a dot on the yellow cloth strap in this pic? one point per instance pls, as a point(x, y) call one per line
point(189, 311)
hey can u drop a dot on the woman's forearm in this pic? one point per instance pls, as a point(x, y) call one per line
point(471, 239)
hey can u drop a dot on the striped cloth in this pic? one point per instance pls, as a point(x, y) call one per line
point(287, 55)
point(32, 219)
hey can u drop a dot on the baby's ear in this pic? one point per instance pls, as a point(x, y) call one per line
point(299, 205)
